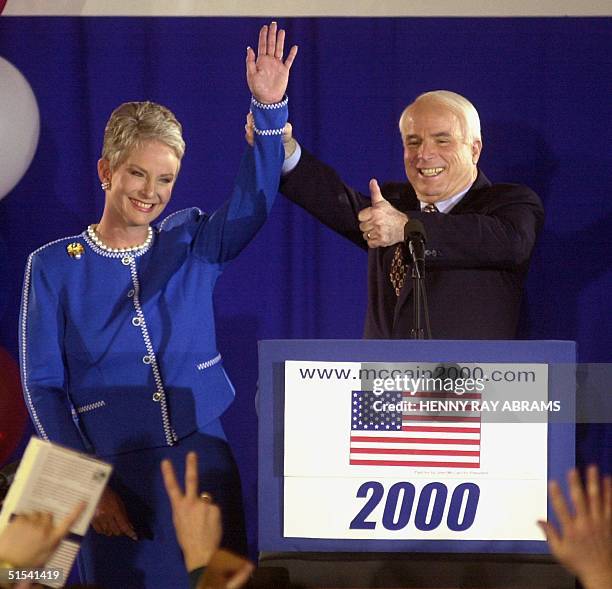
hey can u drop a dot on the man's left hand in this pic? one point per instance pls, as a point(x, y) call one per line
point(381, 224)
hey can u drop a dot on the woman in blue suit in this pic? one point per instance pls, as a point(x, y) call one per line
point(117, 337)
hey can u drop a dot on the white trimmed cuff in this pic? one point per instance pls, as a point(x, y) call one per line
point(269, 119)
point(272, 106)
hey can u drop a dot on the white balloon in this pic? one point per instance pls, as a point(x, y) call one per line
point(19, 126)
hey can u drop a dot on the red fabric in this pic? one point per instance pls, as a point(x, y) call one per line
point(13, 414)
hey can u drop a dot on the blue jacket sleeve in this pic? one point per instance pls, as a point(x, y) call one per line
point(43, 374)
point(229, 229)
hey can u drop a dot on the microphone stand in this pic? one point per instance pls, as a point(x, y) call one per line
point(417, 280)
point(415, 238)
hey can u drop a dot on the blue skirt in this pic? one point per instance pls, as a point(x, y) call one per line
point(155, 560)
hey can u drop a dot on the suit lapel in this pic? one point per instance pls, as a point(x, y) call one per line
point(468, 203)
point(407, 201)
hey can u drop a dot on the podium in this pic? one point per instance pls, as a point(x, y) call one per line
point(412, 463)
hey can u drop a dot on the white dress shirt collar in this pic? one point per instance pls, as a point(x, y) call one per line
point(444, 206)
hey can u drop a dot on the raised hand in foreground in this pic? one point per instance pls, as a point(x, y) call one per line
point(30, 539)
point(197, 522)
point(583, 545)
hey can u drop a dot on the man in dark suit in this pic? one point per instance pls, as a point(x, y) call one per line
point(480, 236)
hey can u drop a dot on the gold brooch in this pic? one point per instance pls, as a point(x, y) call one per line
point(75, 250)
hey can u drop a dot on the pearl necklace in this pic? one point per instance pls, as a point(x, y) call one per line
point(93, 235)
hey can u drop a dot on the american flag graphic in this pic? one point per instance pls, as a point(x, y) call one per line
point(415, 435)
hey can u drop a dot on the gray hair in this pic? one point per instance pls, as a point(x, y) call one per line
point(133, 123)
point(460, 106)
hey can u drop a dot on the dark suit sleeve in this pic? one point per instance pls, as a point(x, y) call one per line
point(318, 189)
point(492, 227)
point(497, 227)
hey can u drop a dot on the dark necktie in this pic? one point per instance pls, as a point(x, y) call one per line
point(398, 271)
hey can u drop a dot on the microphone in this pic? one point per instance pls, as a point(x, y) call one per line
point(415, 236)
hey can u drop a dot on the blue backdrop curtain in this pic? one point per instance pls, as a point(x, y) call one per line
point(543, 89)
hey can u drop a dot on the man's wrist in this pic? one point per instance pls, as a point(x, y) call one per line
point(292, 160)
point(290, 148)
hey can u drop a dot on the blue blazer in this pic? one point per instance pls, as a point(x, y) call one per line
point(118, 350)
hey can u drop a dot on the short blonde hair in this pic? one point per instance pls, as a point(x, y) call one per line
point(460, 106)
point(134, 123)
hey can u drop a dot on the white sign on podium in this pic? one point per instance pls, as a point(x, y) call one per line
point(368, 458)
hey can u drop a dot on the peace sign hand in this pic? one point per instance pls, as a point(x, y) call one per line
point(197, 520)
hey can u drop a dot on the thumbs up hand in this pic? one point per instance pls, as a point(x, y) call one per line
point(382, 224)
point(375, 193)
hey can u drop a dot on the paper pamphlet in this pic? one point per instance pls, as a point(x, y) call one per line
point(54, 479)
